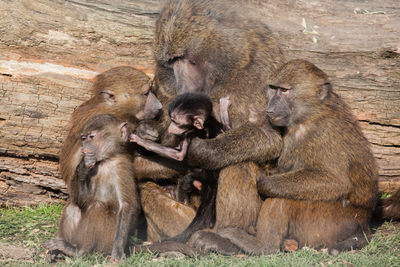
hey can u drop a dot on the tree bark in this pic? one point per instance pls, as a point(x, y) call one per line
point(50, 50)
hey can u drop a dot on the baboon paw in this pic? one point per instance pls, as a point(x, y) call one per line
point(54, 244)
point(147, 131)
point(116, 256)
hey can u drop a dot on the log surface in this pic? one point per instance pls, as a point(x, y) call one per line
point(50, 50)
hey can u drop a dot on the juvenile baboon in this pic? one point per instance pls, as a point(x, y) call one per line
point(211, 47)
point(104, 203)
point(121, 91)
point(325, 186)
point(191, 116)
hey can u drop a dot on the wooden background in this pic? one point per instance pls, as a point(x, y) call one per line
point(51, 49)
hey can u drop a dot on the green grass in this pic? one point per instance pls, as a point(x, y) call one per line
point(31, 226)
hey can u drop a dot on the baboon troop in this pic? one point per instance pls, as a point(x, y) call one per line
point(229, 149)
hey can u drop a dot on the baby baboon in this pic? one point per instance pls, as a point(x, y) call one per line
point(325, 186)
point(104, 204)
point(191, 116)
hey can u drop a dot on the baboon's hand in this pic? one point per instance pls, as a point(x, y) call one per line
point(147, 131)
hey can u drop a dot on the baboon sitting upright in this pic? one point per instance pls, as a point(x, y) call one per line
point(104, 204)
point(211, 47)
point(325, 186)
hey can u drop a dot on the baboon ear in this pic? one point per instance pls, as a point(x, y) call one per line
point(198, 122)
point(108, 97)
point(124, 130)
point(324, 91)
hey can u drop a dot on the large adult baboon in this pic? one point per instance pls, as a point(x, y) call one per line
point(210, 47)
point(325, 186)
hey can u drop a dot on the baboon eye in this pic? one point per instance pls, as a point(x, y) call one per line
point(171, 61)
point(108, 94)
point(271, 87)
point(108, 97)
point(91, 136)
point(284, 90)
point(83, 138)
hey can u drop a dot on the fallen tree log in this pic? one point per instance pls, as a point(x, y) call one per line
point(50, 51)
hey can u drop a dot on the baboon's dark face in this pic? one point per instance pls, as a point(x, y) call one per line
point(102, 136)
point(151, 107)
point(92, 142)
point(138, 101)
point(184, 122)
point(189, 74)
point(279, 110)
point(298, 90)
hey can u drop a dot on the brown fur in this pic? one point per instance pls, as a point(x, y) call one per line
point(238, 54)
point(104, 205)
point(185, 111)
point(160, 209)
point(325, 186)
point(243, 199)
point(156, 168)
point(234, 57)
point(123, 92)
point(127, 84)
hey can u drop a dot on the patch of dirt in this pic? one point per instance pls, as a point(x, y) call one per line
point(10, 253)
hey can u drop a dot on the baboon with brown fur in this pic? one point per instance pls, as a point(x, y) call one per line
point(207, 46)
point(121, 91)
point(104, 204)
point(324, 190)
